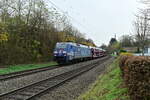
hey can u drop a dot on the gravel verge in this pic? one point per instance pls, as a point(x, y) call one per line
point(6, 86)
point(74, 88)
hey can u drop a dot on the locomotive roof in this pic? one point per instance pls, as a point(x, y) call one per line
point(81, 45)
point(74, 44)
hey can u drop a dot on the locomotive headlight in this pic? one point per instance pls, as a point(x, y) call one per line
point(55, 52)
point(64, 52)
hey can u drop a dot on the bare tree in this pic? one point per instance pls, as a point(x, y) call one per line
point(147, 2)
point(142, 28)
point(126, 41)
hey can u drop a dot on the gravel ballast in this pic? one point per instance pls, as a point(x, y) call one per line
point(74, 88)
point(6, 86)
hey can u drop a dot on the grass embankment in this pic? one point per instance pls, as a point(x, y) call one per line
point(109, 86)
point(17, 68)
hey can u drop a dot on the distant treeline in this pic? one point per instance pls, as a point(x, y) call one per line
point(29, 30)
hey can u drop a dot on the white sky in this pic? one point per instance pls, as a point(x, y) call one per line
point(101, 19)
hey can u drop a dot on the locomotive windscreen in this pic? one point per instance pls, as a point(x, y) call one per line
point(61, 45)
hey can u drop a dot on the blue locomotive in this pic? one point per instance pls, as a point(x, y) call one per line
point(68, 51)
point(65, 52)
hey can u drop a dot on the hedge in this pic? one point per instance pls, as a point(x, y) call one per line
point(136, 74)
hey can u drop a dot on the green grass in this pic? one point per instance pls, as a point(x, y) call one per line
point(109, 86)
point(17, 68)
point(113, 55)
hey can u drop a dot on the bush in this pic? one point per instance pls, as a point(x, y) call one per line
point(123, 51)
point(122, 59)
point(126, 54)
point(137, 77)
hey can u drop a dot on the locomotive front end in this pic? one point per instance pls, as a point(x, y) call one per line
point(60, 53)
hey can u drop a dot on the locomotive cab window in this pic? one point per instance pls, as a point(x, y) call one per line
point(61, 46)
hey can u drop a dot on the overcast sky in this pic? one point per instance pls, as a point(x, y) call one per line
point(101, 19)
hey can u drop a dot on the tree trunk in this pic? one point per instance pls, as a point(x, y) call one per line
point(143, 48)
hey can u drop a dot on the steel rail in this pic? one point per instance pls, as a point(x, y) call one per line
point(5, 77)
point(13, 75)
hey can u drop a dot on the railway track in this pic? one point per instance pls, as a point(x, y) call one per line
point(27, 72)
point(6, 77)
point(13, 75)
point(32, 90)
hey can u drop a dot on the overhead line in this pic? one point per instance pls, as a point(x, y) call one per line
point(67, 15)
